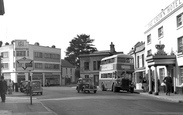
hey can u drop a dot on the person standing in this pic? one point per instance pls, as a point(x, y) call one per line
point(168, 82)
point(3, 89)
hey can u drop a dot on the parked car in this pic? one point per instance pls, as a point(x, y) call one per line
point(36, 87)
point(86, 84)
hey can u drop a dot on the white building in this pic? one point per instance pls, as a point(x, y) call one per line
point(44, 62)
point(165, 31)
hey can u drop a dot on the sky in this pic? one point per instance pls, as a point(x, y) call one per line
point(57, 22)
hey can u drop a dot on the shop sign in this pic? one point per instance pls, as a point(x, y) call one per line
point(24, 64)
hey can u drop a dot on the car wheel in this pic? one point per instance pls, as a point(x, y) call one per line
point(88, 91)
point(95, 91)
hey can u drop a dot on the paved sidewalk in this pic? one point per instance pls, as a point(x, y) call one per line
point(20, 104)
point(173, 97)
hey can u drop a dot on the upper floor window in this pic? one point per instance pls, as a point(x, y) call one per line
point(94, 65)
point(160, 32)
point(149, 38)
point(138, 61)
point(38, 54)
point(5, 66)
point(180, 44)
point(4, 54)
point(20, 53)
point(38, 65)
point(86, 65)
point(179, 19)
point(142, 60)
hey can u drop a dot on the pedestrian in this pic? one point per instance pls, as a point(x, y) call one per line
point(159, 85)
point(3, 89)
point(144, 84)
point(168, 82)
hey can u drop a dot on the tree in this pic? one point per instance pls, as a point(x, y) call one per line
point(82, 44)
point(36, 43)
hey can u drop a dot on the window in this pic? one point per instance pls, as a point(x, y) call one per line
point(4, 65)
point(86, 65)
point(86, 76)
point(181, 74)
point(138, 61)
point(149, 52)
point(180, 44)
point(4, 54)
point(51, 66)
point(179, 20)
point(20, 53)
point(98, 65)
point(142, 60)
point(149, 38)
point(94, 65)
point(38, 65)
point(160, 32)
point(38, 54)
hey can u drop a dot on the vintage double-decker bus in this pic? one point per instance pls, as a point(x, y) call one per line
point(116, 73)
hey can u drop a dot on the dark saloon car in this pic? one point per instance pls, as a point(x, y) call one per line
point(86, 85)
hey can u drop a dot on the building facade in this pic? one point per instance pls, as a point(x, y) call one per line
point(68, 73)
point(138, 53)
point(21, 60)
point(90, 63)
point(164, 46)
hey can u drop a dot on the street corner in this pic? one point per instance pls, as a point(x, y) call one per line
point(5, 112)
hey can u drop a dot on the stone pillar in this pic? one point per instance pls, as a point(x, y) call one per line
point(150, 82)
point(156, 81)
point(174, 79)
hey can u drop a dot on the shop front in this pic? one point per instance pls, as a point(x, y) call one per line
point(52, 79)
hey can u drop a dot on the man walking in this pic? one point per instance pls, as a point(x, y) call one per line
point(3, 89)
point(168, 81)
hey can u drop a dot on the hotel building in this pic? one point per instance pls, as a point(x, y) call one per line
point(164, 46)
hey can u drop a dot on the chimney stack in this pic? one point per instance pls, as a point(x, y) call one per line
point(112, 49)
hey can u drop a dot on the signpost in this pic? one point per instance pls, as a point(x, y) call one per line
point(26, 64)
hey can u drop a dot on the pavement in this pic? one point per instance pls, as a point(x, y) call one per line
point(20, 104)
point(178, 98)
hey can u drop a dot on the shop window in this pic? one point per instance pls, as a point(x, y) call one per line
point(149, 38)
point(181, 74)
point(179, 20)
point(160, 32)
point(180, 44)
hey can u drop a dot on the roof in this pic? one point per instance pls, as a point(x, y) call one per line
point(65, 63)
point(99, 53)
